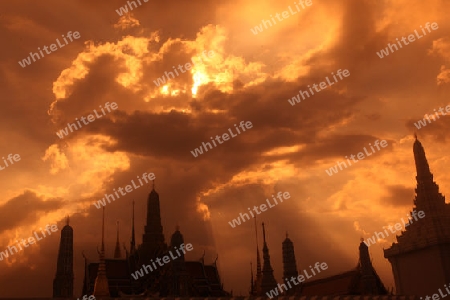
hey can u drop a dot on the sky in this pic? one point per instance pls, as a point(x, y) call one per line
point(249, 77)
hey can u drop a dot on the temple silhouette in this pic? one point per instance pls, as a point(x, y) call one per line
point(420, 260)
point(421, 257)
point(362, 280)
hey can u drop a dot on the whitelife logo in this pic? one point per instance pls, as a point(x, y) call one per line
point(360, 155)
point(166, 259)
point(85, 297)
point(90, 118)
point(225, 136)
point(263, 208)
point(128, 189)
point(300, 278)
point(411, 38)
point(10, 158)
point(423, 123)
point(398, 227)
point(124, 9)
point(323, 85)
point(27, 61)
point(31, 241)
point(162, 80)
point(436, 296)
point(284, 14)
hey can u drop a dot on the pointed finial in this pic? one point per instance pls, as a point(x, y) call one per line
point(415, 135)
point(103, 230)
point(67, 220)
point(132, 213)
point(256, 232)
point(264, 232)
point(117, 223)
point(362, 239)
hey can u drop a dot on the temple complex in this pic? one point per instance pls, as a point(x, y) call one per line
point(111, 277)
point(420, 260)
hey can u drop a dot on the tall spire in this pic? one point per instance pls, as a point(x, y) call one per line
point(422, 167)
point(103, 230)
point(258, 279)
point(63, 282)
point(117, 253)
point(101, 287)
point(428, 197)
point(264, 234)
point(268, 280)
point(133, 240)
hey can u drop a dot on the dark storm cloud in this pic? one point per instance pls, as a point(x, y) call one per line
point(272, 119)
point(344, 145)
point(398, 195)
point(25, 209)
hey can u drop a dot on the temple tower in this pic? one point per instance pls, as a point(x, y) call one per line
point(268, 281)
point(370, 282)
point(420, 258)
point(101, 287)
point(63, 282)
point(133, 240)
point(153, 239)
point(289, 263)
point(179, 275)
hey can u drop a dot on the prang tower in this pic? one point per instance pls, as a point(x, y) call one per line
point(256, 287)
point(268, 281)
point(153, 243)
point(420, 258)
point(289, 264)
point(63, 282)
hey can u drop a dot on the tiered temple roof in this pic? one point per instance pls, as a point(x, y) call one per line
point(433, 229)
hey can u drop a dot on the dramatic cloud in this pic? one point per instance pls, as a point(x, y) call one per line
point(165, 112)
